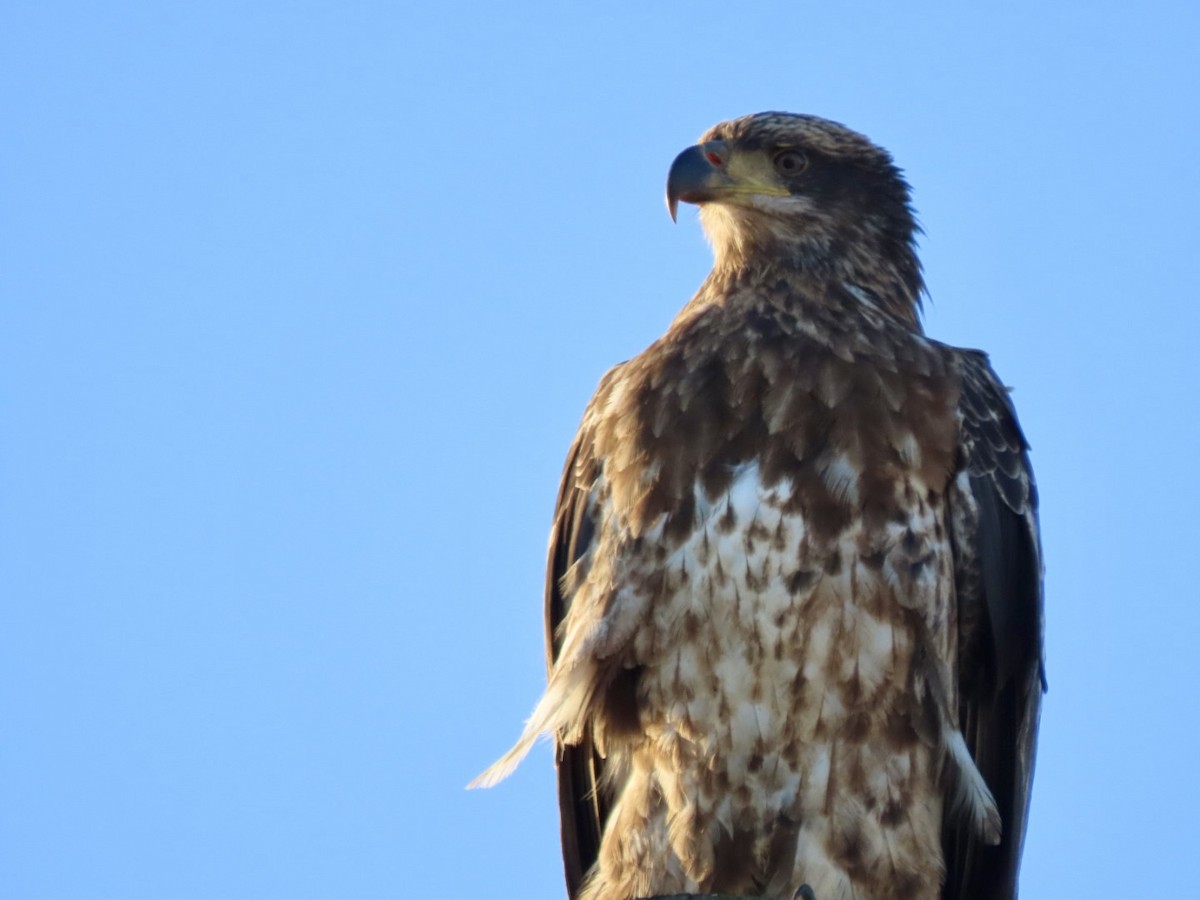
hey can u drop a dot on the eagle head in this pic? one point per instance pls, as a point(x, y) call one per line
point(803, 190)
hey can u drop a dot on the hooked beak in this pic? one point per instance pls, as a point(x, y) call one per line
point(698, 174)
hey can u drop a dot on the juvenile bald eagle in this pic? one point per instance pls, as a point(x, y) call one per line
point(793, 606)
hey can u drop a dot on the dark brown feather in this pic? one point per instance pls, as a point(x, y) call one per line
point(582, 810)
point(999, 583)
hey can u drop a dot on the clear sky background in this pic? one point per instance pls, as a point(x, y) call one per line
point(300, 304)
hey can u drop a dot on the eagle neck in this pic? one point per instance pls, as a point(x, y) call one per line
point(875, 254)
point(797, 283)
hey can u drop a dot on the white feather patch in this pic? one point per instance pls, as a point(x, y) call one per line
point(971, 797)
point(841, 477)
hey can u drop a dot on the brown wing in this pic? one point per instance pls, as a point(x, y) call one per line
point(583, 806)
point(998, 575)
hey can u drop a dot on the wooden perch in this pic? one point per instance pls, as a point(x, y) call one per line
point(804, 892)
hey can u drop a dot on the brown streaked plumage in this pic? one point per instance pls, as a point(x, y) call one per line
point(793, 604)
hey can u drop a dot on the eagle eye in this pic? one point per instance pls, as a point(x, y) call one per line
point(790, 162)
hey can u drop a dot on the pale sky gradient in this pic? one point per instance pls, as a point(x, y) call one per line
point(300, 304)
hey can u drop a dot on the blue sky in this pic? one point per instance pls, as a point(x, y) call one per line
point(300, 304)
